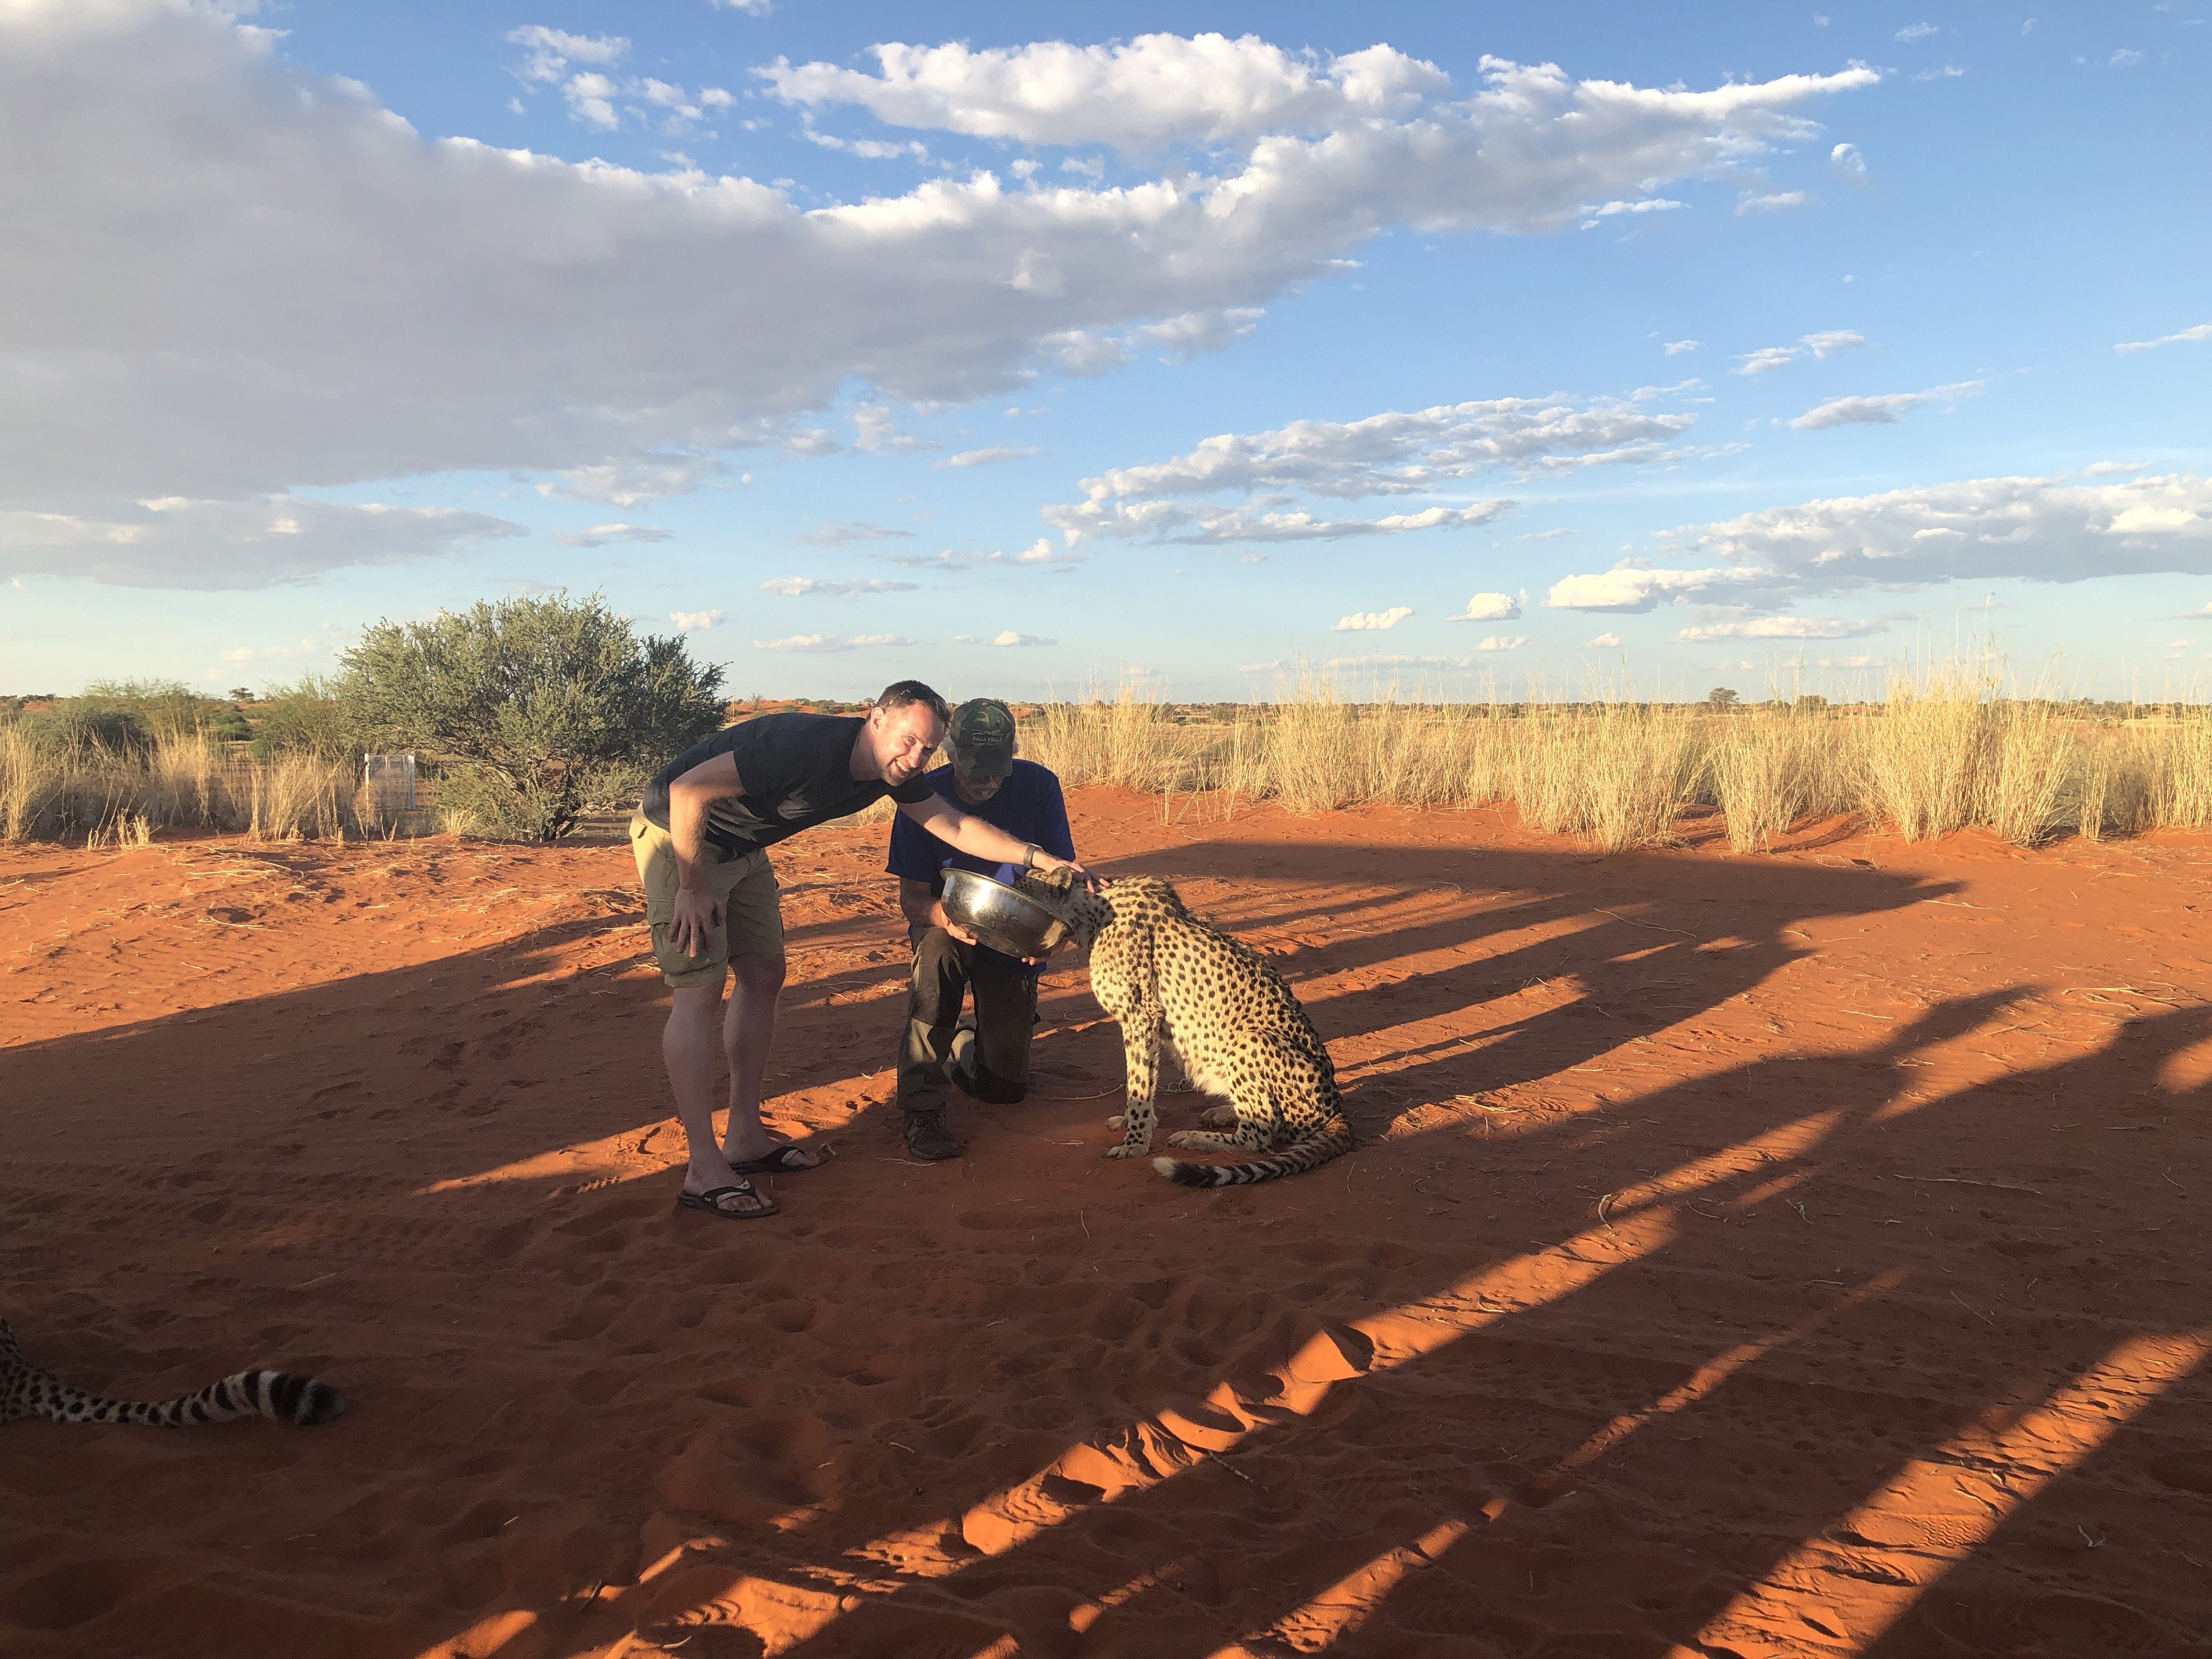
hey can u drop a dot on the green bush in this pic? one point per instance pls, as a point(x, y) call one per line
point(556, 706)
point(73, 724)
point(306, 719)
point(167, 709)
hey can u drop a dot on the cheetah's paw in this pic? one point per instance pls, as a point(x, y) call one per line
point(1128, 1149)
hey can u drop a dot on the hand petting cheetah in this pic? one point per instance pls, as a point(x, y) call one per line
point(27, 1391)
point(1175, 981)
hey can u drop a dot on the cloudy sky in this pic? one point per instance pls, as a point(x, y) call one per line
point(1047, 348)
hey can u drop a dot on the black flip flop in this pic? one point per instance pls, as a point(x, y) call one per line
point(776, 1162)
point(709, 1201)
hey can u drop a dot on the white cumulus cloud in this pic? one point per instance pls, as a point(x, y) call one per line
point(1039, 553)
point(1828, 342)
point(844, 533)
point(249, 278)
point(1825, 343)
point(828, 642)
point(1883, 409)
point(174, 541)
point(1502, 642)
point(1489, 607)
point(2201, 331)
point(1140, 95)
point(1376, 621)
point(548, 54)
point(2034, 529)
point(1781, 627)
point(1008, 636)
point(1603, 641)
point(798, 587)
point(600, 534)
point(693, 622)
point(995, 453)
point(636, 483)
point(1399, 453)
point(1773, 201)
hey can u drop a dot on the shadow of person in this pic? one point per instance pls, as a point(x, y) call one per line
point(1802, 1316)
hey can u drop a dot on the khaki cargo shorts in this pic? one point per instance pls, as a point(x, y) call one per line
point(752, 908)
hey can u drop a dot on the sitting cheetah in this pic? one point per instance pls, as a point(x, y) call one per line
point(1176, 980)
point(27, 1391)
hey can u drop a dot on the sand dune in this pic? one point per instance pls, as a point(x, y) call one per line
point(1793, 1254)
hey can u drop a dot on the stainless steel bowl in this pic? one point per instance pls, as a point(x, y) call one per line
point(1003, 918)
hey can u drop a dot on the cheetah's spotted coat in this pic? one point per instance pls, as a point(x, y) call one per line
point(27, 1391)
point(1175, 980)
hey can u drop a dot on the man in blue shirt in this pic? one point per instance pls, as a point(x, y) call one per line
point(992, 1062)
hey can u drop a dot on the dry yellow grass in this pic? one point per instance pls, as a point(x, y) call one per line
point(105, 799)
point(1944, 752)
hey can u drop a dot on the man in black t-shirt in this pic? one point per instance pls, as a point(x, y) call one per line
point(992, 1061)
point(701, 837)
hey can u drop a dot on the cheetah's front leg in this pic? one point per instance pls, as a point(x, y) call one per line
point(1140, 1047)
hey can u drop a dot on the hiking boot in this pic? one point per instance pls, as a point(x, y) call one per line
point(927, 1138)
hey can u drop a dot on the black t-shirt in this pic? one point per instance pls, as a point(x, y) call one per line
point(797, 772)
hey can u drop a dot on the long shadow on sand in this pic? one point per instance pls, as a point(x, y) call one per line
point(558, 1380)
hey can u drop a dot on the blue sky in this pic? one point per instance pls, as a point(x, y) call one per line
point(1049, 349)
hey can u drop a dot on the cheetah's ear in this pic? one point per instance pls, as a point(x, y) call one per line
point(1054, 881)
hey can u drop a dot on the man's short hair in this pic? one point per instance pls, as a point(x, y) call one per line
point(899, 694)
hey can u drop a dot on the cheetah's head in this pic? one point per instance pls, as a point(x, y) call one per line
point(1085, 913)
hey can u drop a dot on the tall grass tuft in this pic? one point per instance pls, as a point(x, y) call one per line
point(1761, 766)
point(1926, 752)
point(301, 796)
point(2032, 773)
point(64, 789)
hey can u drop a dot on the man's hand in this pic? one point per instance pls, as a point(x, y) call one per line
point(938, 919)
point(698, 913)
point(1044, 863)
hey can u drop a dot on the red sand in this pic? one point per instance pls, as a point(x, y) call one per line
point(1799, 1254)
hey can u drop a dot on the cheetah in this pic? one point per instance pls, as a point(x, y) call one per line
point(27, 1391)
point(1175, 982)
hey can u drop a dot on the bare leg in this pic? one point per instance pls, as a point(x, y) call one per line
point(748, 1031)
point(687, 1045)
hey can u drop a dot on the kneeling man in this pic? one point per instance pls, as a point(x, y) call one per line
point(991, 1062)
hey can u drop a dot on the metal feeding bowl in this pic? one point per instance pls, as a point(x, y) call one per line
point(1002, 917)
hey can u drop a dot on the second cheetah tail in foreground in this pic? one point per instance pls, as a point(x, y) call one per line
point(1332, 1137)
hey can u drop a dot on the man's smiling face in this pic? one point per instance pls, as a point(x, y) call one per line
point(905, 738)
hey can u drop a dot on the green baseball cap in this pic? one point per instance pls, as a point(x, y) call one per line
point(980, 738)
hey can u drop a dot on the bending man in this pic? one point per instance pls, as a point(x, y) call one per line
point(992, 1062)
point(701, 836)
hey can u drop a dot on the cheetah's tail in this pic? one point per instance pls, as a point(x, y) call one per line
point(1332, 1137)
point(277, 1395)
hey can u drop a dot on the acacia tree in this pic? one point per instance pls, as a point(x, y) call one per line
point(555, 708)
